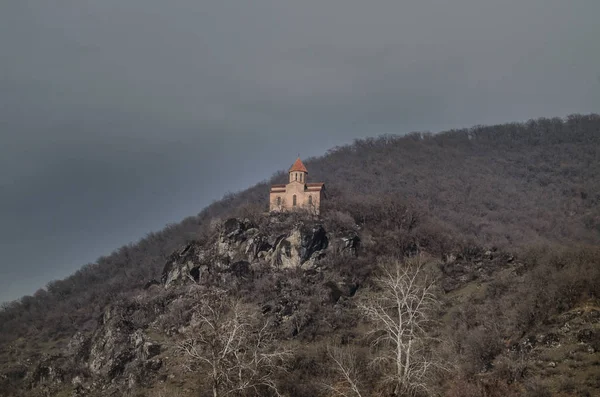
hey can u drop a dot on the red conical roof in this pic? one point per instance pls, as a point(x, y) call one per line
point(298, 166)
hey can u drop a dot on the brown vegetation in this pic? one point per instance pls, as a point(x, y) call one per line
point(506, 219)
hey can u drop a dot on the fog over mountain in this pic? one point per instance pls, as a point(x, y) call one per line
point(119, 117)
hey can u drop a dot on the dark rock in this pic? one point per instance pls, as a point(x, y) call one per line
point(195, 273)
point(167, 269)
point(240, 269)
point(586, 335)
point(340, 289)
point(449, 284)
point(549, 339)
point(185, 265)
point(153, 365)
point(285, 307)
point(313, 240)
point(47, 371)
point(285, 248)
point(274, 240)
point(15, 373)
point(176, 258)
point(185, 250)
point(151, 283)
point(258, 244)
point(348, 245)
point(234, 228)
point(352, 241)
point(528, 343)
point(335, 293)
point(151, 349)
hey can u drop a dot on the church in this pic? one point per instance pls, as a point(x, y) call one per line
point(298, 193)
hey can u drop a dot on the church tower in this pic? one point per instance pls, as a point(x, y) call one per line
point(298, 172)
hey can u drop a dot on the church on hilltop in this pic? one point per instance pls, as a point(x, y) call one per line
point(297, 194)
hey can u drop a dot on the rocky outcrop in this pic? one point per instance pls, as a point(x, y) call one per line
point(117, 348)
point(473, 264)
point(116, 354)
point(304, 246)
point(110, 349)
point(48, 370)
point(120, 355)
point(78, 348)
point(186, 264)
point(240, 246)
point(347, 245)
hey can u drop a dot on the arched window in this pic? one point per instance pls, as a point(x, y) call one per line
point(296, 176)
point(278, 200)
point(294, 200)
point(301, 177)
point(310, 200)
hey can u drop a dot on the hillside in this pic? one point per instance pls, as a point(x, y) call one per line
point(505, 219)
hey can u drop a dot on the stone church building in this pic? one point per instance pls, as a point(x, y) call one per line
point(298, 193)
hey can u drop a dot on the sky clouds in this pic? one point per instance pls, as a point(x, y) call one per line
point(117, 117)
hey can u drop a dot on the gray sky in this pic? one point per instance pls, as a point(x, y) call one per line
point(119, 116)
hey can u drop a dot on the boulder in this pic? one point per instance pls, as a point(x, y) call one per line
point(337, 290)
point(302, 247)
point(186, 265)
point(587, 335)
point(151, 283)
point(347, 245)
point(153, 365)
point(151, 349)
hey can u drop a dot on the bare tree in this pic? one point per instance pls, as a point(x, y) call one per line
point(235, 348)
point(399, 314)
point(345, 367)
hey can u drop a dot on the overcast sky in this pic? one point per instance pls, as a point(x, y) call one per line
point(119, 116)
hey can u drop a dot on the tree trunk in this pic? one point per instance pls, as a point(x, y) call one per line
point(407, 362)
point(215, 384)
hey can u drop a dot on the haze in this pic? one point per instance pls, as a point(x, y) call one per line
point(117, 117)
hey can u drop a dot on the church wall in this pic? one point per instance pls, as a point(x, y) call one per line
point(302, 198)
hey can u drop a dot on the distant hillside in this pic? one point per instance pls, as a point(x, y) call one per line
point(504, 185)
point(480, 195)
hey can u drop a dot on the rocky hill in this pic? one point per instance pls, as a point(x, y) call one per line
point(499, 233)
point(501, 330)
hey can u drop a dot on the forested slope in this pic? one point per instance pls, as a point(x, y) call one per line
point(512, 187)
point(507, 185)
